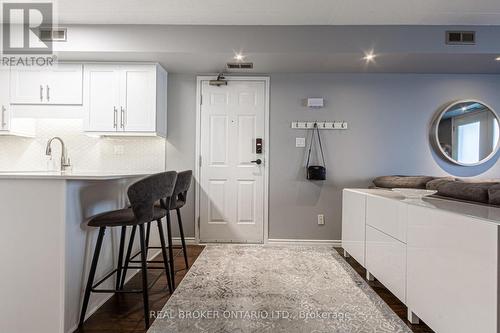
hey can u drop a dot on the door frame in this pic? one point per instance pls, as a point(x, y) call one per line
point(197, 168)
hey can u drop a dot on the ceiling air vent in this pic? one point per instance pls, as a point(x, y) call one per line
point(239, 65)
point(461, 37)
point(53, 35)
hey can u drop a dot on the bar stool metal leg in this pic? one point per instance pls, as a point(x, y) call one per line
point(170, 250)
point(144, 270)
point(183, 241)
point(127, 257)
point(120, 256)
point(164, 254)
point(93, 268)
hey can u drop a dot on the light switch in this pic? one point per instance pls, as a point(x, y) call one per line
point(300, 142)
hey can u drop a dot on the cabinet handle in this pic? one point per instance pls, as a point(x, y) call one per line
point(123, 120)
point(4, 123)
point(41, 93)
point(48, 93)
point(115, 116)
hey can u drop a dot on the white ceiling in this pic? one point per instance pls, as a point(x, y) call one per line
point(280, 12)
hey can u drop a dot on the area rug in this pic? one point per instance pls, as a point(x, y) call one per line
point(252, 288)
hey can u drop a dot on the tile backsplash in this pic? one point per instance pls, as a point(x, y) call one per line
point(134, 154)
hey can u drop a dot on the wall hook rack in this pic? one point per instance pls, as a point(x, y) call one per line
point(335, 125)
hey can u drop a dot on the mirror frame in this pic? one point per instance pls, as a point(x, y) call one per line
point(435, 127)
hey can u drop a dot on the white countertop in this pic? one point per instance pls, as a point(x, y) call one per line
point(479, 211)
point(72, 175)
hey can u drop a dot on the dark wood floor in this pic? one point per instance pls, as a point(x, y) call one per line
point(124, 312)
point(393, 302)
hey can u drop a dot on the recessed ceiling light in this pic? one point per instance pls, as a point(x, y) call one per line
point(239, 57)
point(497, 58)
point(369, 57)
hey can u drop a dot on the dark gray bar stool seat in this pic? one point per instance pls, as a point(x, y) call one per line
point(122, 217)
point(175, 202)
point(142, 196)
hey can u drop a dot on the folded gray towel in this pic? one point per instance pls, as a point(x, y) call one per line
point(477, 192)
point(402, 181)
point(435, 183)
point(494, 195)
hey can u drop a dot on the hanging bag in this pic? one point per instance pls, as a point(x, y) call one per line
point(316, 172)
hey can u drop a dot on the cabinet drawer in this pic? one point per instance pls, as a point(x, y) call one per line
point(353, 224)
point(386, 260)
point(389, 216)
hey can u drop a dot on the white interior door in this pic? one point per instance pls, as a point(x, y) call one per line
point(232, 186)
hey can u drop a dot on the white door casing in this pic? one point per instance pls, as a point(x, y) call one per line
point(232, 194)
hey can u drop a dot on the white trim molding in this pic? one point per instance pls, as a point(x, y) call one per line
point(280, 241)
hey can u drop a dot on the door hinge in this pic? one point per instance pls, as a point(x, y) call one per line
point(200, 161)
point(199, 219)
point(201, 99)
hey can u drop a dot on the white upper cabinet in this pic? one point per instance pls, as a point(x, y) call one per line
point(10, 125)
point(125, 100)
point(57, 85)
point(102, 98)
point(4, 99)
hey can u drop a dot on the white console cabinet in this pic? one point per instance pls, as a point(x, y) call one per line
point(439, 257)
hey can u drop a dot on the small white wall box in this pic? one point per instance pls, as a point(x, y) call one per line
point(315, 102)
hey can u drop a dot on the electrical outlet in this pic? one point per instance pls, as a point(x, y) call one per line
point(321, 219)
point(119, 149)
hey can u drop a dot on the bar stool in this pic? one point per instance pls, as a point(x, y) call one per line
point(142, 195)
point(176, 201)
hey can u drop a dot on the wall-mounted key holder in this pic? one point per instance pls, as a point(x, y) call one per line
point(336, 125)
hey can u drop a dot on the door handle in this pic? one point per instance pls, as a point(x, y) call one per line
point(257, 161)
point(115, 116)
point(41, 93)
point(122, 120)
point(48, 93)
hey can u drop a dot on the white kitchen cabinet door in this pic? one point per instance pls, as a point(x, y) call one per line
point(4, 99)
point(102, 98)
point(353, 224)
point(64, 85)
point(53, 85)
point(28, 85)
point(138, 98)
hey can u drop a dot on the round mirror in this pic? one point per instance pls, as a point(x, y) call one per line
point(466, 133)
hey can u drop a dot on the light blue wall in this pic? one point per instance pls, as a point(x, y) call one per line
point(388, 114)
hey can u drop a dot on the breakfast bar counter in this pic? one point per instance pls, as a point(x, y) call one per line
point(47, 247)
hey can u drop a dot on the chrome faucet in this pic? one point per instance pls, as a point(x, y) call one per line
point(65, 162)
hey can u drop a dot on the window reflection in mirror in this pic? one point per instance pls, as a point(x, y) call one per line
point(468, 132)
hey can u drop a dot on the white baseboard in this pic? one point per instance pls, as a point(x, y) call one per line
point(188, 240)
point(276, 241)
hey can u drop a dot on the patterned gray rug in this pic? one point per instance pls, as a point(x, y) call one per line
point(251, 288)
